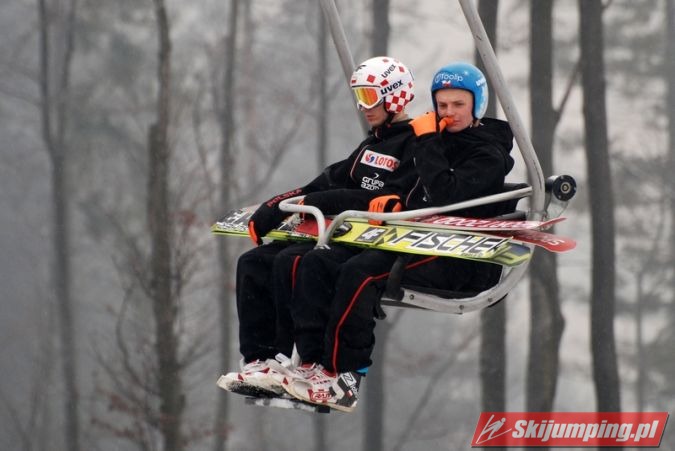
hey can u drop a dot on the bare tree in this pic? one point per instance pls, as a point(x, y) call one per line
point(453, 357)
point(546, 320)
point(169, 384)
point(225, 110)
point(603, 346)
point(381, 28)
point(670, 77)
point(54, 94)
point(493, 320)
point(29, 418)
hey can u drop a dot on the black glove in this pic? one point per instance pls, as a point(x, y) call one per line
point(268, 216)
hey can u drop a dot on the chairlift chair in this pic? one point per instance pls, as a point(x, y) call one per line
point(547, 198)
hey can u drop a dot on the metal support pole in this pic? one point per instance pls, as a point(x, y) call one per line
point(494, 73)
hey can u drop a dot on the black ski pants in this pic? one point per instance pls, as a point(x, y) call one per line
point(265, 278)
point(337, 291)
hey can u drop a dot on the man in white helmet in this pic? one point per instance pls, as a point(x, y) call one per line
point(459, 155)
point(380, 166)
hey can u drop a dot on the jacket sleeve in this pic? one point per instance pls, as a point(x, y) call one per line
point(481, 173)
point(334, 201)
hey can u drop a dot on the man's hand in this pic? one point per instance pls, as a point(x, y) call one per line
point(424, 124)
point(427, 123)
point(263, 220)
point(384, 204)
point(445, 122)
point(268, 216)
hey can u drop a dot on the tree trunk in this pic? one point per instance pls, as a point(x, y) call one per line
point(54, 124)
point(546, 320)
point(375, 384)
point(670, 77)
point(381, 28)
point(224, 254)
point(492, 363)
point(603, 347)
point(165, 310)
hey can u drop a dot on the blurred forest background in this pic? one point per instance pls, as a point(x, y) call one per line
point(127, 127)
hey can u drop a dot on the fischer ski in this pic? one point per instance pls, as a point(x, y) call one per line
point(408, 237)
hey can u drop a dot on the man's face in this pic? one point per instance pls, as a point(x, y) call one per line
point(376, 115)
point(456, 104)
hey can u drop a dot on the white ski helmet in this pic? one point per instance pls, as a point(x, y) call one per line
point(382, 79)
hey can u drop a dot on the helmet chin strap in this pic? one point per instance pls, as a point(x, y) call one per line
point(386, 123)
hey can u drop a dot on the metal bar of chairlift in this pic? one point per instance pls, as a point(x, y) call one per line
point(324, 233)
point(498, 84)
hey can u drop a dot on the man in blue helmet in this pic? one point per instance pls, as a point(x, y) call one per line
point(459, 155)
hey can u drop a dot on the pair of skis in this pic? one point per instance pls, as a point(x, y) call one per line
point(488, 240)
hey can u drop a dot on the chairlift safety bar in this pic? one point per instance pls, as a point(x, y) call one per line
point(324, 233)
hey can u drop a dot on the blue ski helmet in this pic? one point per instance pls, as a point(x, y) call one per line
point(463, 76)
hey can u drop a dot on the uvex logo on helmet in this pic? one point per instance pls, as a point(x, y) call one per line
point(389, 70)
point(392, 87)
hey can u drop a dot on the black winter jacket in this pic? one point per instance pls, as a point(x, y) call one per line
point(381, 164)
point(454, 167)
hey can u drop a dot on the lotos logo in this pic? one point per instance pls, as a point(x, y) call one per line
point(380, 161)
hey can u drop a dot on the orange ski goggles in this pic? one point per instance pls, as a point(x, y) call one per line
point(366, 96)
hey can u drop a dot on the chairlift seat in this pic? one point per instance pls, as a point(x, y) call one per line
point(559, 190)
point(394, 292)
